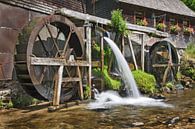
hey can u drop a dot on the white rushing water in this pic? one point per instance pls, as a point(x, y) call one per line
point(110, 99)
point(124, 70)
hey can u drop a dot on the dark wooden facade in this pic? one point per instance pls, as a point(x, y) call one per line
point(153, 16)
point(14, 14)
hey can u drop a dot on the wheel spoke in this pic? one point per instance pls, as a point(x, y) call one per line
point(54, 41)
point(66, 43)
point(45, 49)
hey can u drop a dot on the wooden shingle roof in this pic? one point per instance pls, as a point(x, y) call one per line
point(172, 6)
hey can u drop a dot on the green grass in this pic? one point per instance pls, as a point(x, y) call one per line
point(110, 83)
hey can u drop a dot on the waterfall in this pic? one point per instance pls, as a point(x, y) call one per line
point(124, 70)
point(110, 99)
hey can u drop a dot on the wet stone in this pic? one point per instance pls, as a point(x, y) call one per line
point(191, 119)
point(137, 124)
point(173, 121)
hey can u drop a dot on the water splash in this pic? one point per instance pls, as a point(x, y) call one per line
point(109, 99)
point(124, 70)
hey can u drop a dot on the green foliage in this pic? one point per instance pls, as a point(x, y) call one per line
point(190, 72)
point(178, 75)
point(142, 22)
point(190, 51)
point(160, 26)
point(190, 3)
point(22, 101)
point(146, 82)
point(109, 82)
point(169, 85)
point(87, 92)
point(175, 28)
point(118, 23)
point(10, 104)
point(1, 103)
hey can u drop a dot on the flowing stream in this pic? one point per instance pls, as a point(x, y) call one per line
point(111, 99)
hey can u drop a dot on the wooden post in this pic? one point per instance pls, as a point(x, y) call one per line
point(123, 45)
point(142, 53)
point(102, 61)
point(132, 52)
point(57, 88)
point(80, 83)
point(88, 52)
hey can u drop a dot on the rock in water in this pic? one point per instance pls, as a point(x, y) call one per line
point(191, 119)
point(137, 124)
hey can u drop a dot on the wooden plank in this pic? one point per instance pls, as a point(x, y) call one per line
point(164, 65)
point(56, 62)
point(71, 79)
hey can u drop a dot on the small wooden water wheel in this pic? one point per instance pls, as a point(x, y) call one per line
point(164, 61)
point(49, 46)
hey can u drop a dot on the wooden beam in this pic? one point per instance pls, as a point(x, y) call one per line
point(71, 79)
point(81, 16)
point(57, 86)
point(88, 52)
point(56, 62)
point(142, 52)
point(80, 83)
point(132, 52)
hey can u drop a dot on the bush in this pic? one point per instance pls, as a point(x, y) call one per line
point(118, 23)
point(146, 82)
point(1, 103)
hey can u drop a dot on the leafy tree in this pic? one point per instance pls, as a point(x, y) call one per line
point(190, 3)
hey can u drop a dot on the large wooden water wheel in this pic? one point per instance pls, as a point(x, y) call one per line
point(45, 44)
point(164, 61)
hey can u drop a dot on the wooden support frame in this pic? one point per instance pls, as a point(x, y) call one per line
point(132, 52)
point(57, 62)
point(142, 52)
point(88, 53)
point(57, 87)
point(102, 61)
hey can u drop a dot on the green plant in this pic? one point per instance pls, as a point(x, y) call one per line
point(174, 28)
point(190, 50)
point(160, 26)
point(142, 22)
point(109, 82)
point(169, 85)
point(145, 81)
point(118, 23)
point(188, 30)
point(22, 101)
point(10, 104)
point(178, 75)
point(87, 92)
point(1, 103)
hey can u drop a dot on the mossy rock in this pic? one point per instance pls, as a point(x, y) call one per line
point(145, 81)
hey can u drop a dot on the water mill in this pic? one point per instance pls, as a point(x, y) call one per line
point(122, 64)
